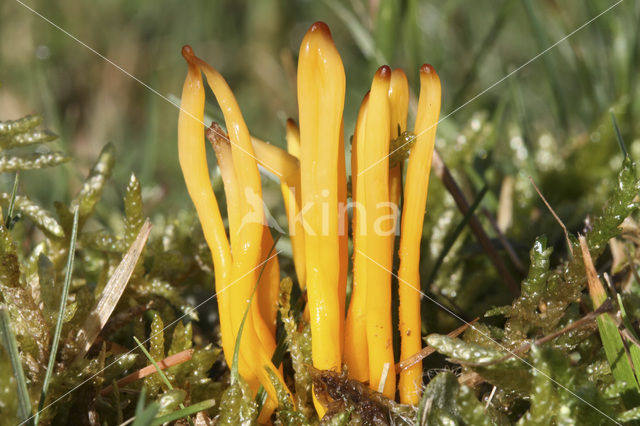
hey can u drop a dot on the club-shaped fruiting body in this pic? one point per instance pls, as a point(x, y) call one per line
point(314, 188)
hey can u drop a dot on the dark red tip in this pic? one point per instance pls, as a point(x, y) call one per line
point(384, 72)
point(320, 27)
point(187, 52)
point(427, 69)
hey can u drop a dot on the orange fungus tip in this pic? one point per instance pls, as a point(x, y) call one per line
point(187, 51)
point(320, 27)
point(383, 72)
point(427, 69)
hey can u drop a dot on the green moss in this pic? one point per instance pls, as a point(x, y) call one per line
point(237, 405)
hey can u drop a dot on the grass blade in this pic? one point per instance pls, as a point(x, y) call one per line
point(10, 344)
point(614, 348)
point(634, 350)
point(455, 234)
point(543, 43)
point(362, 37)
point(386, 27)
point(261, 395)
point(158, 369)
point(111, 293)
point(482, 53)
point(9, 221)
point(144, 415)
point(184, 412)
point(155, 364)
point(63, 304)
point(623, 147)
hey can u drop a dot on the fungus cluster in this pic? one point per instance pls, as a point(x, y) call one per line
point(314, 188)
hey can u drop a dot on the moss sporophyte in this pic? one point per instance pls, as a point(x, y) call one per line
point(314, 186)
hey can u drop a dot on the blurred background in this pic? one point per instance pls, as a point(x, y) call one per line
point(550, 120)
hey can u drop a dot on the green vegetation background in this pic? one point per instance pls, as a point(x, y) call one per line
point(550, 120)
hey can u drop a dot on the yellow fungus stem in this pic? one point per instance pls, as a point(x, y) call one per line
point(356, 353)
point(321, 89)
point(415, 198)
point(193, 162)
point(378, 248)
point(246, 233)
point(292, 196)
point(399, 104)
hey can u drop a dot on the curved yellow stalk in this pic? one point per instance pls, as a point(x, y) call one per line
point(292, 196)
point(343, 235)
point(266, 298)
point(321, 89)
point(246, 241)
point(277, 161)
point(222, 148)
point(193, 162)
point(378, 249)
point(356, 353)
point(293, 138)
point(399, 103)
point(415, 198)
point(269, 285)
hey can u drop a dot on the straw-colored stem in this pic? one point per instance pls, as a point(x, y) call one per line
point(246, 239)
point(415, 198)
point(356, 353)
point(343, 234)
point(378, 248)
point(399, 105)
point(192, 156)
point(292, 196)
point(321, 88)
point(279, 162)
point(269, 285)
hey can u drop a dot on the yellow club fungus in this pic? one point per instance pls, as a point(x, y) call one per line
point(321, 88)
point(314, 188)
point(415, 199)
point(356, 353)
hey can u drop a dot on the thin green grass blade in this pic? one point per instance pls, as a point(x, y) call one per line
point(158, 369)
point(10, 344)
point(361, 36)
point(236, 350)
point(549, 65)
point(616, 355)
point(482, 52)
point(233, 378)
point(634, 64)
point(612, 342)
point(63, 304)
point(456, 233)
point(634, 350)
point(9, 220)
point(184, 412)
point(386, 27)
point(623, 147)
point(260, 398)
point(155, 364)
point(145, 415)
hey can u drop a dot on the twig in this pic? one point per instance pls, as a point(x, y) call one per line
point(428, 350)
point(607, 306)
point(442, 171)
point(169, 361)
point(564, 228)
